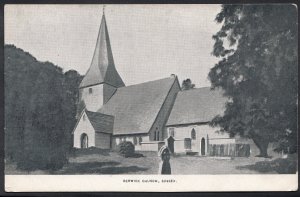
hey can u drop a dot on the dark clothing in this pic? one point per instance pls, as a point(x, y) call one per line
point(166, 167)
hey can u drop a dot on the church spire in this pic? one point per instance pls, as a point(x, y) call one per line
point(103, 10)
point(102, 68)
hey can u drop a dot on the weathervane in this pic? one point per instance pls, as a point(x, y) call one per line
point(103, 9)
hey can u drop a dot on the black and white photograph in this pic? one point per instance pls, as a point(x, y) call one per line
point(131, 91)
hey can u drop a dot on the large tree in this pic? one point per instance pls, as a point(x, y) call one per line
point(20, 73)
point(44, 139)
point(258, 69)
point(40, 109)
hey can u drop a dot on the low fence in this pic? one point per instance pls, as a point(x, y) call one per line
point(229, 150)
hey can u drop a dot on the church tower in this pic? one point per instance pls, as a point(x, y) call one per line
point(102, 79)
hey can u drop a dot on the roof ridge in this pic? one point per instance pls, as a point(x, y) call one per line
point(147, 82)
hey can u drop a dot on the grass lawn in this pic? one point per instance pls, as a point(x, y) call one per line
point(97, 161)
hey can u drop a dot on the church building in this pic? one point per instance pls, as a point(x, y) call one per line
point(148, 114)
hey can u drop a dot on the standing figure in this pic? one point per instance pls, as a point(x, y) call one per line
point(164, 165)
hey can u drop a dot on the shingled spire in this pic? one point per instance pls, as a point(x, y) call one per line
point(102, 68)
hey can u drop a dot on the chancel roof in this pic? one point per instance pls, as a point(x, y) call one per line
point(199, 105)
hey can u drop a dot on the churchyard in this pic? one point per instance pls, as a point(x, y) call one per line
point(97, 161)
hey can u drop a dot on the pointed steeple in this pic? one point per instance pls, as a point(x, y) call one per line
point(102, 68)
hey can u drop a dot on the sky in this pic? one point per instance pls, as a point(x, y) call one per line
point(149, 42)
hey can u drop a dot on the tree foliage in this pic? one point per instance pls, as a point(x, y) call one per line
point(187, 84)
point(40, 109)
point(258, 69)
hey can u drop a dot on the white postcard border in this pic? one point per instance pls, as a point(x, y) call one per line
point(110, 183)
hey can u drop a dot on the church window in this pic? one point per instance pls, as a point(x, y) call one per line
point(193, 134)
point(171, 132)
point(156, 134)
point(135, 140)
point(140, 140)
point(83, 117)
point(90, 90)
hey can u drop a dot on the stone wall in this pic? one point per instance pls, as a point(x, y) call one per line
point(203, 131)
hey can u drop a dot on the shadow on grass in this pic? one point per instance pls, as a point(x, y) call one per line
point(136, 155)
point(281, 166)
point(89, 151)
point(98, 168)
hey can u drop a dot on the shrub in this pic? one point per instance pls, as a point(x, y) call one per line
point(126, 149)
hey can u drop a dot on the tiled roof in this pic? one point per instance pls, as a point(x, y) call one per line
point(199, 105)
point(101, 122)
point(135, 107)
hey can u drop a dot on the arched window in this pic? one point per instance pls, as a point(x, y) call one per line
point(140, 140)
point(134, 140)
point(156, 134)
point(90, 90)
point(193, 134)
point(83, 117)
point(171, 132)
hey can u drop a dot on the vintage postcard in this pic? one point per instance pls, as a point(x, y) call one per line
point(151, 97)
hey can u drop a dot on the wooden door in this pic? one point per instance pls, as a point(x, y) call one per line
point(171, 144)
point(202, 146)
